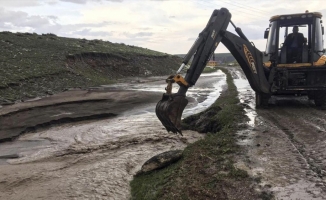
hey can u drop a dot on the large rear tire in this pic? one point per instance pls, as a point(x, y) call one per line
point(311, 96)
point(262, 100)
point(320, 98)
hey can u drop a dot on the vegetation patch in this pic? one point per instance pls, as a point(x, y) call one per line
point(36, 65)
point(206, 170)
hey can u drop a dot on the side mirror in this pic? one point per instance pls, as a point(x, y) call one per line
point(266, 33)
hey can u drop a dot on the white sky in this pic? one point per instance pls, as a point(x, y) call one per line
point(169, 26)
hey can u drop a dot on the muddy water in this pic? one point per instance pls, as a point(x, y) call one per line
point(246, 96)
point(97, 159)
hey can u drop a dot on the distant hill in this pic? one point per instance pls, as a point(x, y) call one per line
point(32, 65)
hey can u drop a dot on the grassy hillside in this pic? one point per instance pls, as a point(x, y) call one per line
point(33, 65)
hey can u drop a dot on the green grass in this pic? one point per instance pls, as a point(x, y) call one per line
point(206, 170)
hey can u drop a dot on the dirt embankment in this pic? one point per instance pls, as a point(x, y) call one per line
point(69, 106)
point(116, 66)
point(38, 65)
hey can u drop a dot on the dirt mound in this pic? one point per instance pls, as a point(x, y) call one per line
point(204, 122)
point(118, 66)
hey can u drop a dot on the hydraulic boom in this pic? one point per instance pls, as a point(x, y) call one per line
point(169, 109)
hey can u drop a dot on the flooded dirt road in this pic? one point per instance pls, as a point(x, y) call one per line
point(285, 144)
point(93, 159)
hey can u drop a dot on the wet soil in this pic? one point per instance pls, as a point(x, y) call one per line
point(290, 149)
point(284, 145)
point(70, 106)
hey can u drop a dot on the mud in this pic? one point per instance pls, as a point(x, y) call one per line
point(94, 159)
point(67, 107)
point(284, 145)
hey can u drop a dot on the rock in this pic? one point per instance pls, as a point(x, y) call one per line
point(9, 156)
point(49, 92)
point(319, 184)
point(161, 160)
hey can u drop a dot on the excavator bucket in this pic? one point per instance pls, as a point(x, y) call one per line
point(169, 111)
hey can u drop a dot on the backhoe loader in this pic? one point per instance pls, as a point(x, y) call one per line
point(283, 74)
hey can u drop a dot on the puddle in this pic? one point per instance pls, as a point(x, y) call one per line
point(246, 96)
point(210, 94)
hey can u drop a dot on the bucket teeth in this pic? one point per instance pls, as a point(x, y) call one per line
point(169, 111)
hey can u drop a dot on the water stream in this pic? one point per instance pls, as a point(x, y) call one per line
point(118, 146)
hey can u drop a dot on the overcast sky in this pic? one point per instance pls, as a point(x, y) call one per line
point(169, 26)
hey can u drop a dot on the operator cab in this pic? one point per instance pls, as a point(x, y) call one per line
point(305, 47)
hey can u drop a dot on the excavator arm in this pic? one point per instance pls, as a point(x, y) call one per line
point(251, 61)
point(169, 109)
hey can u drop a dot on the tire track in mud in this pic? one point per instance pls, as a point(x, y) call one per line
point(284, 146)
point(310, 134)
point(289, 132)
point(308, 141)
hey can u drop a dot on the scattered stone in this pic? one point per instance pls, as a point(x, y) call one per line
point(161, 160)
point(319, 184)
point(49, 92)
point(309, 173)
point(258, 145)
